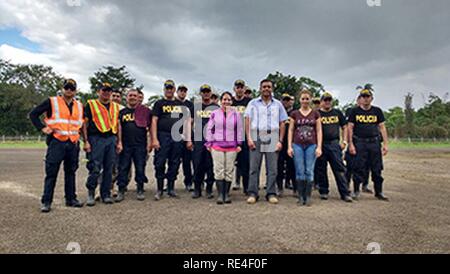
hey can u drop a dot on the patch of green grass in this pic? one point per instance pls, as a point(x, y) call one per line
point(418, 145)
point(22, 145)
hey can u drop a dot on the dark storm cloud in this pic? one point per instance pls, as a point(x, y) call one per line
point(399, 47)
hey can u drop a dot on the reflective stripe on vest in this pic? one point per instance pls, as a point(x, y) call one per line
point(65, 125)
point(106, 120)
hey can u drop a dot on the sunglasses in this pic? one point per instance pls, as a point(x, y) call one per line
point(327, 100)
point(205, 91)
point(107, 90)
point(365, 96)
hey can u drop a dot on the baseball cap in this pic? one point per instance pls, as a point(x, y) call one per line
point(169, 84)
point(326, 95)
point(365, 92)
point(70, 84)
point(287, 95)
point(105, 86)
point(239, 83)
point(182, 87)
point(205, 87)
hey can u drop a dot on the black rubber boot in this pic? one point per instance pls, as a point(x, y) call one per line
point(160, 190)
point(209, 190)
point(226, 192)
point(220, 190)
point(301, 191)
point(171, 189)
point(308, 193)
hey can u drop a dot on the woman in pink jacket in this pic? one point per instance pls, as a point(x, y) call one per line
point(224, 136)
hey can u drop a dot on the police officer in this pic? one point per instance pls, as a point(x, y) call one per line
point(101, 144)
point(63, 121)
point(203, 164)
point(366, 122)
point(286, 167)
point(186, 157)
point(350, 159)
point(240, 102)
point(136, 141)
point(333, 121)
point(167, 126)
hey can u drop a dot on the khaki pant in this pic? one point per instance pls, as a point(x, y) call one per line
point(223, 165)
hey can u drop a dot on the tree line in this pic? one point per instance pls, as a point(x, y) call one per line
point(22, 87)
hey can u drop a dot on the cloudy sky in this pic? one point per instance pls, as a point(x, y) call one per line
point(401, 46)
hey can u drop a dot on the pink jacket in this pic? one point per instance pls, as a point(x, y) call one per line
point(224, 132)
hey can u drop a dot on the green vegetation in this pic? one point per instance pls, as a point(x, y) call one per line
point(24, 86)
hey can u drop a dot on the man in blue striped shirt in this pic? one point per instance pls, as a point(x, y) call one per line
point(264, 120)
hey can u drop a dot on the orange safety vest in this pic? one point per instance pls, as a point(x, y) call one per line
point(65, 126)
point(105, 120)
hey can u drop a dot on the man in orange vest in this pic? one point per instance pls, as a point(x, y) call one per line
point(64, 119)
point(101, 144)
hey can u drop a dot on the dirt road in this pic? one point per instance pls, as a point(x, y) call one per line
point(417, 220)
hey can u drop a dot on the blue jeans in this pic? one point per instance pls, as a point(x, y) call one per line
point(304, 159)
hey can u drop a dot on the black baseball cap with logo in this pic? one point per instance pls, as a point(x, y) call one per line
point(169, 84)
point(70, 84)
point(326, 96)
point(105, 86)
point(205, 88)
point(238, 83)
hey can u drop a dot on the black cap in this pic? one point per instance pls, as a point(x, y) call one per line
point(326, 95)
point(105, 86)
point(205, 87)
point(169, 84)
point(70, 84)
point(239, 83)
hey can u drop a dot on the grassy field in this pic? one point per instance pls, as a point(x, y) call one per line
point(393, 145)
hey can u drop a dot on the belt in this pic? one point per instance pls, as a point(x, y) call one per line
point(366, 140)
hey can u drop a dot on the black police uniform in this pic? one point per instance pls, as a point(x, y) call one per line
point(332, 121)
point(366, 138)
point(202, 159)
point(134, 141)
point(57, 152)
point(186, 157)
point(286, 167)
point(350, 159)
point(243, 157)
point(169, 113)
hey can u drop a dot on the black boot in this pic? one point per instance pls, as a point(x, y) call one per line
point(197, 191)
point(91, 198)
point(209, 190)
point(220, 190)
point(308, 193)
point(171, 189)
point(159, 190)
point(301, 186)
point(226, 192)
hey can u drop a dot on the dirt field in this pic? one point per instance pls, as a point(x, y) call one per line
point(417, 219)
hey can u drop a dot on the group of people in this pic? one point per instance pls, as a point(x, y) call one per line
point(219, 141)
